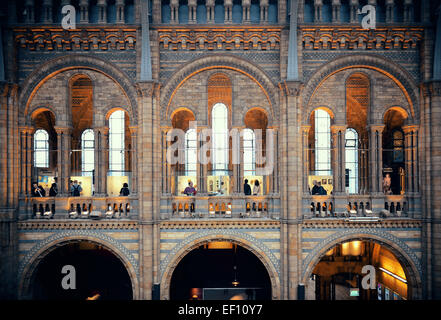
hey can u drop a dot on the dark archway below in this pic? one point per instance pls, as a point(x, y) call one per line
point(97, 271)
point(208, 273)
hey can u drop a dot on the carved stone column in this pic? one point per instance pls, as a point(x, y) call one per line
point(338, 164)
point(26, 140)
point(192, 6)
point(102, 11)
point(409, 132)
point(389, 11)
point(119, 11)
point(101, 160)
point(306, 159)
point(376, 157)
point(46, 13)
point(353, 11)
point(408, 11)
point(134, 159)
point(29, 11)
point(64, 138)
point(84, 11)
point(318, 4)
point(246, 5)
point(264, 11)
point(210, 10)
point(336, 5)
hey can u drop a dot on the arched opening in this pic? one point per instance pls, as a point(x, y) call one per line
point(99, 274)
point(394, 174)
point(254, 150)
point(121, 151)
point(44, 148)
point(220, 270)
point(338, 275)
point(220, 167)
point(319, 148)
point(357, 108)
point(184, 172)
point(81, 102)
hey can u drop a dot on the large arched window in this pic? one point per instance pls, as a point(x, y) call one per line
point(351, 157)
point(87, 152)
point(249, 153)
point(117, 142)
point(41, 149)
point(219, 116)
point(322, 142)
point(190, 153)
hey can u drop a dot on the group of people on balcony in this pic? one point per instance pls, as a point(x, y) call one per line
point(75, 189)
point(190, 190)
point(318, 189)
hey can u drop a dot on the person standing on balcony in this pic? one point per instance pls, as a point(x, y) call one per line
point(38, 191)
point(190, 190)
point(322, 190)
point(256, 188)
point(246, 188)
point(76, 189)
point(124, 192)
point(53, 191)
point(315, 189)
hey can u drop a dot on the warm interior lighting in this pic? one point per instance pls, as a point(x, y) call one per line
point(393, 275)
point(220, 245)
point(352, 248)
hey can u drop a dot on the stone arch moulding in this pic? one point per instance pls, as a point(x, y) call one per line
point(30, 262)
point(270, 262)
point(370, 61)
point(55, 66)
point(225, 61)
point(42, 108)
point(405, 255)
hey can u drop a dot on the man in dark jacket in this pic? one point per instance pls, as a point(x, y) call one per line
point(315, 189)
point(246, 188)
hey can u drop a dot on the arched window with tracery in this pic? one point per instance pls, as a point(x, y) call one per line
point(191, 153)
point(322, 124)
point(220, 137)
point(87, 152)
point(41, 149)
point(351, 159)
point(249, 153)
point(117, 143)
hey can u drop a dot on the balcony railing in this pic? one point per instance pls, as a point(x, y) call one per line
point(231, 206)
point(83, 208)
point(380, 206)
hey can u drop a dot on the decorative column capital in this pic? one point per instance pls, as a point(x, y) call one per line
point(376, 127)
point(147, 88)
point(305, 128)
point(103, 130)
point(338, 127)
point(291, 88)
point(64, 130)
point(410, 128)
point(133, 130)
point(26, 129)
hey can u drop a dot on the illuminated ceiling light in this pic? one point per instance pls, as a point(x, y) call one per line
point(393, 275)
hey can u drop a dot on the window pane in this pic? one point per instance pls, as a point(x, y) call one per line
point(117, 141)
point(351, 159)
point(41, 149)
point(220, 139)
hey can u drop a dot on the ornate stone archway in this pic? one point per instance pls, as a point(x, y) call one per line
point(224, 61)
point(77, 61)
point(186, 248)
point(369, 61)
point(402, 252)
point(29, 265)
